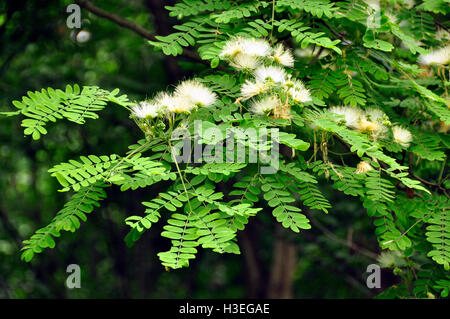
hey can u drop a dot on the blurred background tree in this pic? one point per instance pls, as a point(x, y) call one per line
point(37, 51)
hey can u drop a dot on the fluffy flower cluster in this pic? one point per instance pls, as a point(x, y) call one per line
point(188, 95)
point(363, 167)
point(270, 87)
point(264, 105)
point(402, 136)
point(274, 82)
point(439, 57)
point(351, 115)
point(373, 122)
point(146, 109)
point(247, 54)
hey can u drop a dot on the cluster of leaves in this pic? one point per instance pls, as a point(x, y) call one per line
point(73, 104)
point(348, 54)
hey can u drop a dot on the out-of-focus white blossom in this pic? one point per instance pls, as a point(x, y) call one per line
point(392, 17)
point(402, 136)
point(442, 34)
point(390, 259)
point(373, 121)
point(83, 36)
point(439, 56)
point(408, 4)
point(373, 4)
point(351, 114)
point(363, 167)
point(375, 115)
point(372, 127)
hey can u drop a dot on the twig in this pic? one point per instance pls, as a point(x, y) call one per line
point(332, 236)
point(438, 184)
point(340, 36)
point(133, 27)
point(441, 172)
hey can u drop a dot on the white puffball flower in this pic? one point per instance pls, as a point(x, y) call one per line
point(245, 62)
point(364, 125)
point(146, 109)
point(298, 91)
point(301, 95)
point(264, 105)
point(181, 104)
point(165, 100)
point(439, 56)
point(256, 47)
point(375, 115)
point(389, 259)
point(232, 47)
point(275, 73)
point(363, 167)
point(351, 114)
point(373, 121)
point(250, 89)
point(174, 104)
point(196, 92)
point(402, 136)
point(282, 56)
